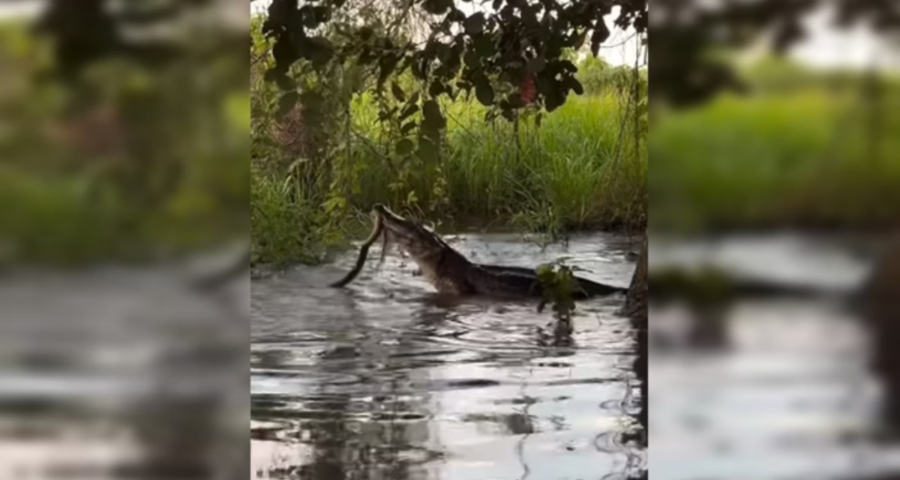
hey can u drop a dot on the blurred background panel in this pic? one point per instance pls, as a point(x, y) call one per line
point(774, 193)
point(124, 192)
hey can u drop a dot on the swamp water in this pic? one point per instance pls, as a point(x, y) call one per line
point(779, 387)
point(120, 373)
point(385, 380)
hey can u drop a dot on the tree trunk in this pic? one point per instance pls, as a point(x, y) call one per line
point(636, 301)
point(636, 309)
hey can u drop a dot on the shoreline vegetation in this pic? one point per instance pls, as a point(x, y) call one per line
point(128, 164)
point(798, 151)
point(316, 172)
point(805, 149)
point(560, 178)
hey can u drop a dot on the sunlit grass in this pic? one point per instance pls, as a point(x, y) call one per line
point(567, 164)
point(800, 158)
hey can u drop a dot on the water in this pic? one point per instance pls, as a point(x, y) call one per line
point(784, 387)
point(386, 380)
point(121, 373)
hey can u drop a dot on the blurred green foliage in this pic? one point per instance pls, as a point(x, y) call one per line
point(123, 162)
point(808, 148)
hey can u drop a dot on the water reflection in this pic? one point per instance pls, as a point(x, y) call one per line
point(120, 374)
point(388, 381)
point(781, 384)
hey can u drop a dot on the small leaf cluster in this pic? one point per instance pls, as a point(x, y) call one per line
point(558, 286)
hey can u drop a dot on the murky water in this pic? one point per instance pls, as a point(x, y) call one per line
point(385, 380)
point(121, 373)
point(783, 388)
point(126, 374)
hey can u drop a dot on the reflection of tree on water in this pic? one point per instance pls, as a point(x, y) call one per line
point(637, 311)
point(879, 306)
point(370, 428)
point(192, 426)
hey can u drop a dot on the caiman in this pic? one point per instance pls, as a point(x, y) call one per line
point(452, 273)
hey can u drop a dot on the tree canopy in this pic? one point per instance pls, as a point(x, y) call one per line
point(684, 30)
point(511, 54)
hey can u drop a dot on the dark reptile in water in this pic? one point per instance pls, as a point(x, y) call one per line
point(452, 273)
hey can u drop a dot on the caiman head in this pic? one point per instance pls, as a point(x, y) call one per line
point(438, 261)
point(416, 240)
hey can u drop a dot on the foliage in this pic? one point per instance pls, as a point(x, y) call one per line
point(686, 73)
point(798, 154)
point(84, 33)
point(564, 175)
point(571, 169)
point(102, 167)
point(558, 287)
point(598, 77)
point(509, 56)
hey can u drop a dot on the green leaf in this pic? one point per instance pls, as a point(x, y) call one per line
point(428, 150)
point(514, 100)
point(552, 102)
point(287, 102)
point(471, 59)
point(536, 65)
point(319, 50)
point(283, 52)
point(432, 117)
point(405, 147)
point(398, 92)
point(386, 65)
point(405, 129)
point(436, 88)
point(322, 13)
point(573, 84)
point(552, 91)
point(484, 92)
point(443, 51)
point(484, 45)
point(474, 24)
point(386, 114)
point(554, 96)
point(311, 100)
point(578, 40)
point(410, 109)
point(568, 66)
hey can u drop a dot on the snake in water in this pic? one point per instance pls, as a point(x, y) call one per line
point(363, 253)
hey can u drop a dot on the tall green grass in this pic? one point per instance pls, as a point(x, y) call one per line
point(571, 165)
point(575, 171)
point(804, 157)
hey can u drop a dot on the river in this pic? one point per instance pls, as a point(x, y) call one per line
point(386, 380)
